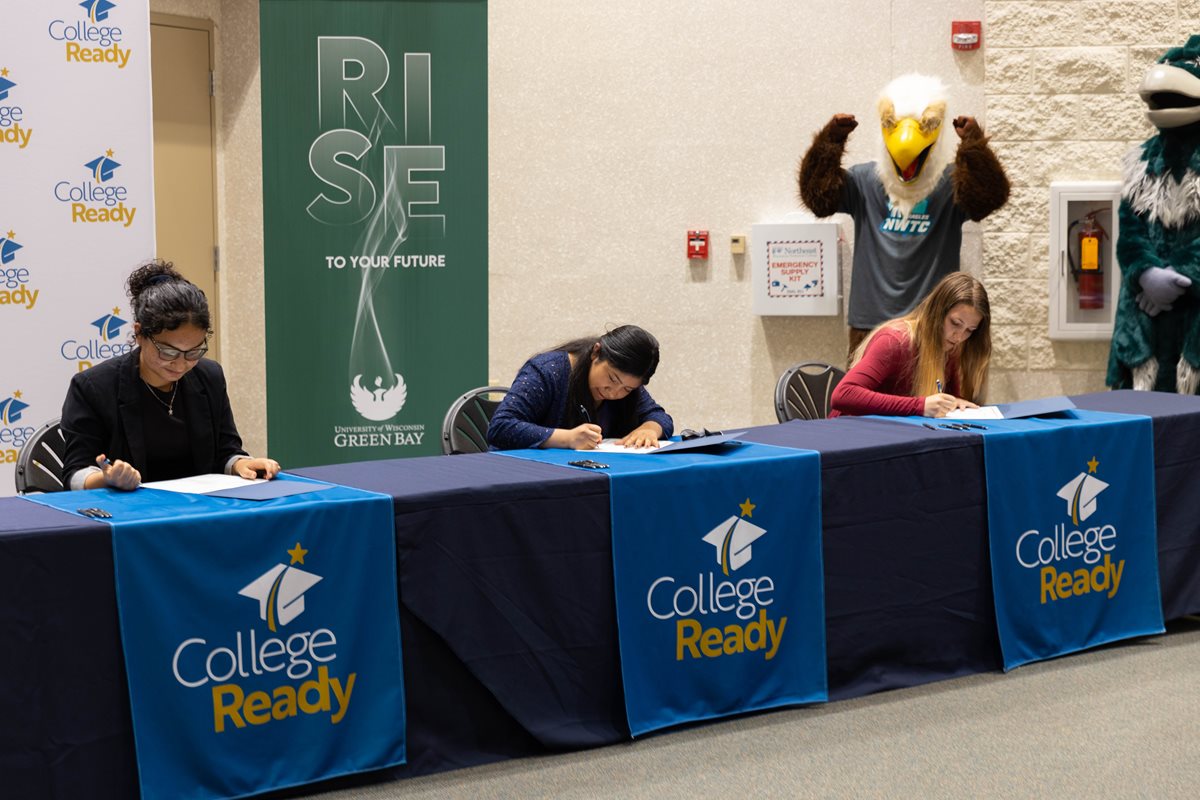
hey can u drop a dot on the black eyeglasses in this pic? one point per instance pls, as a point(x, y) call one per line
point(168, 353)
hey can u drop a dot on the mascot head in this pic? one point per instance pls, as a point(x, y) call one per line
point(912, 109)
point(1171, 89)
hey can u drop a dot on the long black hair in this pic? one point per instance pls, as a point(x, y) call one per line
point(163, 299)
point(628, 349)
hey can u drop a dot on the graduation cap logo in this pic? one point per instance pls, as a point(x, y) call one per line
point(732, 539)
point(5, 85)
point(1080, 493)
point(97, 10)
point(11, 408)
point(8, 248)
point(102, 167)
point(280, 590)
point(109, 325)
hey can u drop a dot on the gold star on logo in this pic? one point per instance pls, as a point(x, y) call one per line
point(116, 310)
point(4, 72)
point(17, 395)
point(1093, 464)
point(12, 234)
point(747, 508)
point(109, 152)
point(297, 553)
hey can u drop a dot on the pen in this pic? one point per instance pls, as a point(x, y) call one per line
point(927, 425)
point(583, 410)
point(939, 385)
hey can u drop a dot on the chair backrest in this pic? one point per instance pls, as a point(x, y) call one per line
point(803, 391)
point(465, 428)
point(40, 462)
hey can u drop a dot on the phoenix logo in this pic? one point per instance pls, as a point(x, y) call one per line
point(732, 539)
point(109, 325)
point(379, 403)
point(280, 590)
point(1080, 493)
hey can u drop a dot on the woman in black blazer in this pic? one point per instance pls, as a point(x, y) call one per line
point(159, 411)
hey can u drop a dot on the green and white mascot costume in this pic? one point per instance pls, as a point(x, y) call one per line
point(1156, 335)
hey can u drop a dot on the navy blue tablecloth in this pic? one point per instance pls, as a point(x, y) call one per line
point(506, 598)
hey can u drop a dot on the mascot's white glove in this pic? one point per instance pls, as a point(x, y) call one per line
point(1161, 286)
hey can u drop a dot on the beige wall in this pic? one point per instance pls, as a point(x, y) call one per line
point(616, 126)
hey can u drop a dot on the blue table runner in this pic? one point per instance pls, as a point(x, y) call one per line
point(1071, 530)
point(261, 641)
point(719, 580)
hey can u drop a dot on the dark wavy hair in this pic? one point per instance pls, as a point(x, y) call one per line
point(162, 299)
point(628, 349)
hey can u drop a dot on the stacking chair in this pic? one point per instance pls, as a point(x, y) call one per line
point(803, 391)
point(465, 428)
point(40, 462)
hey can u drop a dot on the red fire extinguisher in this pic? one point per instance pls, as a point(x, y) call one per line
point(1089, 277)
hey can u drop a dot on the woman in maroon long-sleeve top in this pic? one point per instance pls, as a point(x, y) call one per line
point(930, 362)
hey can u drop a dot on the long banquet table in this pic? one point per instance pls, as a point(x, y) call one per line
point(506, 594)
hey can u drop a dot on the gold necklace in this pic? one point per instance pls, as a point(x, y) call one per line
point(168, 405)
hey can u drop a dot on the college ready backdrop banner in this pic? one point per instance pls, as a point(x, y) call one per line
point(77, 210)
point(375, 222)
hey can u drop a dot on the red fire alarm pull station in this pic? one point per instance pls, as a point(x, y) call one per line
point(966, 35)
point(697, 244)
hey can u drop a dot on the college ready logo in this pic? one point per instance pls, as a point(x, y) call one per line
point(101, 197)
point(1075, 559)
point(13, 435)
point(94, 39)
point(1080, 493)
point(9, 247)
point(280, 590)
point(104, 343)
point(15, 287)
point(235, 671)
point(702, 611)
point(97, 10)
point(11, 116)
point(733, 537)
point(11, 408)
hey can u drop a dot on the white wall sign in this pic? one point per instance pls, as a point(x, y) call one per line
point(795, 268)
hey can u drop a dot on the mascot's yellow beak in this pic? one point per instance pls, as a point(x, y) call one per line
point(908, 142)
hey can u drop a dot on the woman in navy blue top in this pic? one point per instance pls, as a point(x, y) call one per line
point(576, 394)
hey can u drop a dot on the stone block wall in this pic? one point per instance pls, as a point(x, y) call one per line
point(1062, 104)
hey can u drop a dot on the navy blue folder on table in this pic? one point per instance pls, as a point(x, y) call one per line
point(506, 594)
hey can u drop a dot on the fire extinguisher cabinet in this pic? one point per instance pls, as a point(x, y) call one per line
point(1084, 276)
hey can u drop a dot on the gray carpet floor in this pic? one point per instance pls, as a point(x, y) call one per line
point(1118, 722)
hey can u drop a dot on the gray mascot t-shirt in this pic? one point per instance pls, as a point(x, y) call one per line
point(897, 263)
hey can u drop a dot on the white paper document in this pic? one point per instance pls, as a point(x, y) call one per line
point(615, 446)
point(202, 484)
point(983, 412)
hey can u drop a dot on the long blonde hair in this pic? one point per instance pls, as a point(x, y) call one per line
point(924, 326)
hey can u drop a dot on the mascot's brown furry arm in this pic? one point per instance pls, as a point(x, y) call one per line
point(908, 205)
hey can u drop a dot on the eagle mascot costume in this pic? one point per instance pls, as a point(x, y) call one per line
point(909, 205)
point(1156, 332)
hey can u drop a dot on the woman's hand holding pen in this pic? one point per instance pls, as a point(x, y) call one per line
point(117, 474)
point(585, 437)
point(940, 404)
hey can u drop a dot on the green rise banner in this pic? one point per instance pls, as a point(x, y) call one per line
point(374, 222)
